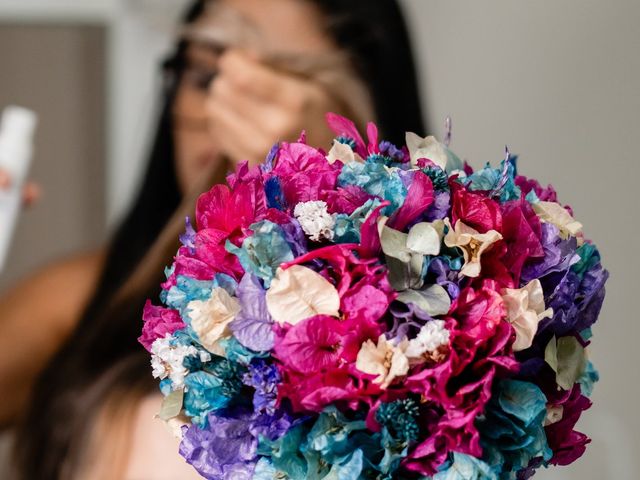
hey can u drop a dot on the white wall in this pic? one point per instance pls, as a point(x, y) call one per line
point(559, 82)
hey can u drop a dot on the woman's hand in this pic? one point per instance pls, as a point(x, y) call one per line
point(31, 192)
point(251, 106)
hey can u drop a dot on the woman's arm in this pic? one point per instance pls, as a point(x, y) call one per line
point(36, 316)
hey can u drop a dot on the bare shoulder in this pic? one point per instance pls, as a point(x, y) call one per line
point(61, 288)
point(154, 448)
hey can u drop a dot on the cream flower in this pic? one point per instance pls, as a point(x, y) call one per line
point(554, 414)
point(315, 219)
point(556, 214)
point(431, 337)
point(167, 360)
point(210, 318)
point(472, 243)
point(525, 309)
point(427, 147)
point(386, 360)
point(343, 152)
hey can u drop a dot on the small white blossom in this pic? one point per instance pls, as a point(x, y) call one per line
point(431, 337)
point(315, 220)
point(167, 359)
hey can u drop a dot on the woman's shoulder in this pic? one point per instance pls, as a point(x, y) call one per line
point(60, 288)
point(154, 449)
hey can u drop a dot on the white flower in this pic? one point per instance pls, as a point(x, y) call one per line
point(167, 359)
point(525, 309)
point(431, 337)
point(315, 220)
point(472, 243)
point(210, 318)
point(386, 360)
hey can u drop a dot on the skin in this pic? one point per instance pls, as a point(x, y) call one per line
point(246, 108)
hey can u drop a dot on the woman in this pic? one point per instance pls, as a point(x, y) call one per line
point(85, 401)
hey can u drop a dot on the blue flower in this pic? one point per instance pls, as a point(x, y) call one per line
point(212, 389)
point(465, 467)
point(512, 432)
point(264, 251)
point(589, 377)
point(185, 290)
point(499, 181)
point(377, 180)
point(347, 227)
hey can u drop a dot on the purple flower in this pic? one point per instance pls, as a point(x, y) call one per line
point(440, 206)
point(252, 326)
point(188, 238)
point(264, 378)
point(444, 276)
point(559, 255)
point(225, 450)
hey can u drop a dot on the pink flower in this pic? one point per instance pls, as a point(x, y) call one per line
point(227, 210)
point(345, 200)
point(312, 345)
point(474, 209)
point(480, 350)
point(158, 321)
point(521, 232)
point(567, 444)
point(419, 197)
point(526, 185)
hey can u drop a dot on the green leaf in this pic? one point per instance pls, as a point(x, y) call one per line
point(171, 405)
point(424, 239)
point(572, 361)
point(434, 300)
point(394, 244)
point(551, 354)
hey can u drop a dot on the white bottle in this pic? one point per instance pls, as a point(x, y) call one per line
point(17, 127)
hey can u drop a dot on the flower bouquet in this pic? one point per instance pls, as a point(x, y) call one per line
point(377, 312)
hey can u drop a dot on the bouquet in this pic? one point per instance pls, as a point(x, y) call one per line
point(377, 312)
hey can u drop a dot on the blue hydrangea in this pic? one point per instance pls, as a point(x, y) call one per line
point(511, 430)
point(264, 251)
point(212, 389)
point(347, 227)
point(185, 290)
point(464, 467)
point(500, 181)
point(376, 179)
point(589, 377)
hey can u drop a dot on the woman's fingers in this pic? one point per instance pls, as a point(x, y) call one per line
point(31, 194)
point(254, 78)
point(5, 180)
point(251, 106)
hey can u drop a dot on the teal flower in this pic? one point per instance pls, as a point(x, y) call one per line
point(347, 227)
point(511, 430)
point(264, 251)
point(589, 377)
point(376, 179)
point(465, 467)
point(212, 389)
point(500, 181)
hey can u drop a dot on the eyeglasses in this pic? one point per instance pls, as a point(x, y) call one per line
point(191, 72)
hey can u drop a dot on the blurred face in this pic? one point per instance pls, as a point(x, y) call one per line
point(287, 26)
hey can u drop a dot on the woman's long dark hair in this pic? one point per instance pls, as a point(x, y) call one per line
point(67, 393)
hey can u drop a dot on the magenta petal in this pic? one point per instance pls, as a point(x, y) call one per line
point(344, 127)
point(158, 321)
point(419, 197)
point(311, 345)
